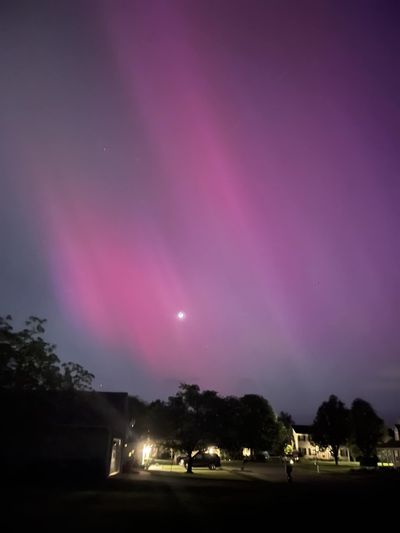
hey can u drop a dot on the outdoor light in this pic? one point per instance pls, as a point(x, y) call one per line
point(146, 453)
point(213, 450)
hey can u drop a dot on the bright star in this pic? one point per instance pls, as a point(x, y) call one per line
point(181, 315)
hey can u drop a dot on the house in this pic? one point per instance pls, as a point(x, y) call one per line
point(305, 447)
point(389, 452)
point(71, 433)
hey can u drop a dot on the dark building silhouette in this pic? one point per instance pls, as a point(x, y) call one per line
point(63, 433)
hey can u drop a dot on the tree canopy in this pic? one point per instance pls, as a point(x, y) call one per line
point(28, 362)
point(366, 428)
point(193, 420)
point(284, 440)
point(331, 425)
point(259, 427)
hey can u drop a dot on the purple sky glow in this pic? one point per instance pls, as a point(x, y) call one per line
point(235, 160)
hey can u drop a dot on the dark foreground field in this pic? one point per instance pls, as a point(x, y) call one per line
point(171, 500)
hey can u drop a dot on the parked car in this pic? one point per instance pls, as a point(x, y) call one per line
point(259, 457)
point(202, 459)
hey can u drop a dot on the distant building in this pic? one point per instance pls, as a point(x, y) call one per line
point(305, 447)
point(389, 452)
point(68, 433)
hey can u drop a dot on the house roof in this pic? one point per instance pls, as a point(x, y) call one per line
point(305, 430)
point(390, 444)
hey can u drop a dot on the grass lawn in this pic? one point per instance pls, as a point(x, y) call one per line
point(168, 497)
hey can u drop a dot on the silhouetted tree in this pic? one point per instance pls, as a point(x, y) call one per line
point(138, 418)
point(285, 433)
point(366, 428)
point(232, 423)
point(187, 430)
point(75, 377)
point(331, 425)
point(159, 423)
point(28, 362)
point(259, 427)
point(211, 411)
point(195, 418)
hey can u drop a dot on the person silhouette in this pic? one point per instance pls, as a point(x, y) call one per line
point(289, 470)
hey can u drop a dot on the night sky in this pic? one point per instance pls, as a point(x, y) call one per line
point(235, 160)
